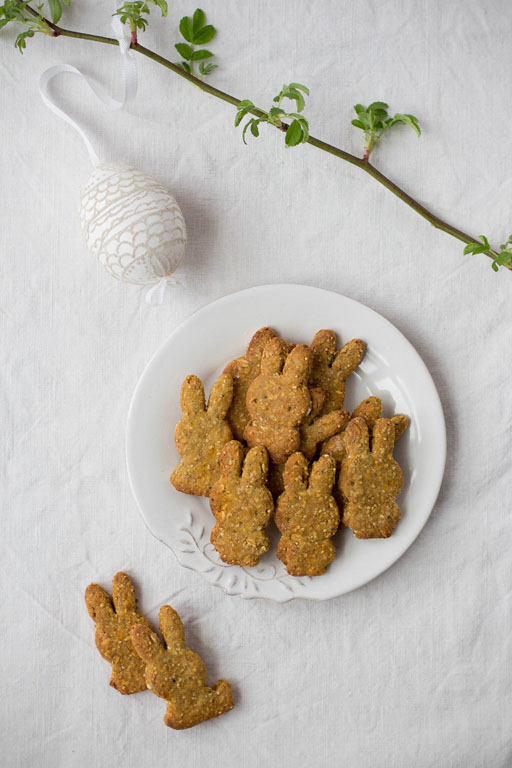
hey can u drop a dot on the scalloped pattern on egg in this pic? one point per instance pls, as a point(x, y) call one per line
point(132, 224)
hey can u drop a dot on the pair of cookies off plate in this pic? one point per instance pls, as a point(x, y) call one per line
point(140, 659)
point(284, 403)
point(390, 369)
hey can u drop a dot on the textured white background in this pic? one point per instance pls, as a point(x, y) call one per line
point(413, 669)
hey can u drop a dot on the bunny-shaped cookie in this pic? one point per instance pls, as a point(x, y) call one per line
point(370, 480)
point(244, 370)
point(314, 430)
point(278, 400)
point(178, 675)
point(330, 368)
point(113, 625)
point(242, 505)
point(307, 516)
point(201, 434)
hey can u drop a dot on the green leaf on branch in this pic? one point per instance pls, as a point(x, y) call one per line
point(375, 121)
point(186, 29)
point(206, 68)
point(244, 107)
point(253, 125)
point(202, 54)
point(196, 32)
point(55, 10)
point(295, 133)
point(300, 87)
point(294, 92)
point(184, 50)
point(475, 248)
point(502, 259)
point(409, 120)
point(378, 105)
point(305, 129)
point(162, 4)
point(204, 35)
point(33, 22)
point(21, 40)
point(198, 20)
point(133, 13)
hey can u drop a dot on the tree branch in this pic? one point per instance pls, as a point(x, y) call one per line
point(361, 163)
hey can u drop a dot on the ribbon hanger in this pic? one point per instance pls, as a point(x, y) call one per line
point(129, 70)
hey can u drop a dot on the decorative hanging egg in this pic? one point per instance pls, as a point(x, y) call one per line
point(132, 224)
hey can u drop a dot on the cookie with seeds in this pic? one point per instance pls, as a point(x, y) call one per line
point(307, 516)
point(313, 431)
point(114, 619)
point(201, 434)
point(321, 429)
point(178, 675)
point(330, 368)
point(370, 410)
point(242, 505)
point(370, 479)
point(244, 370)
point(278, 400)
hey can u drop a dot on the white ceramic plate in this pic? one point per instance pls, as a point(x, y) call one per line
point(219, 332)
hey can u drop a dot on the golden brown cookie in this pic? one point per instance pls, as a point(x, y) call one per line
point(278, 400)
point(242, 505)
point(321, 429)
point(201, 434)
point(313, 431)
point(370, 480)
point(275, 480)
point(370, 410)
point(330, 368)
point(113, 625)
point(244, 370)
point(178, 675)
point(307, 516)
point(400, 422)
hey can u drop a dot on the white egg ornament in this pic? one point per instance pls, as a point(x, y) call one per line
point(132, 224)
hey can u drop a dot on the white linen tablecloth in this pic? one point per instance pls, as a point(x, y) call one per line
point(415, 668)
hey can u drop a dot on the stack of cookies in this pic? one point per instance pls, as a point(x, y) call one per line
point(274, 440)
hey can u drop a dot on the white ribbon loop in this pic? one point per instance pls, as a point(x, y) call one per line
point(129, 80)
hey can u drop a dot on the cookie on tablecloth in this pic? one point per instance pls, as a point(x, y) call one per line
point(178, 675)
point(114, 618)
